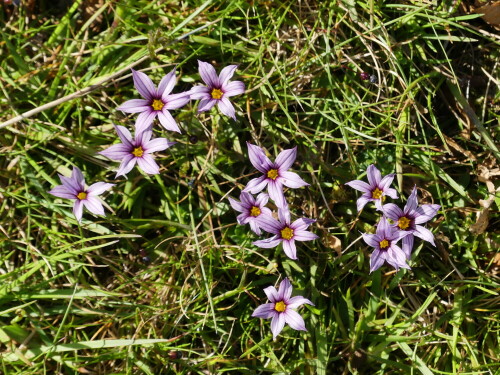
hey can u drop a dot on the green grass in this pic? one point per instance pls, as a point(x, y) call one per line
point(80, 299)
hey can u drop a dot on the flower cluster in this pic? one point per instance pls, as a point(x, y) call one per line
point(275, 175)
point(156, 102)
point(396, 223)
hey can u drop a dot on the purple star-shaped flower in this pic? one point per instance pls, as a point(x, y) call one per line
point(281, 308)
point(384, 242)
point(285, 232)
point(410, 218)
point(377, 188)
point(156, 102)
point(275, 175)
point(252, 210)
point(218, 89)
point(74, 188)
point(136, 150)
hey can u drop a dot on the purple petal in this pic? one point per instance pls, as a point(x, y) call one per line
point(386, 181)
point(206, 104)
point(264, 211)
point(77, 176)
point(284, 215)
point(376, 260)
point(166, 85)
point(302, 224)
point(72, 184)
point(234, 88)
point(135, 106)
point(226, 108)
point(176, 101)
point(237, 206)
point(144, 85)
point(303, 235)
point(290, 249)
point(383, 229)
point(94, 205)
point(270, 224)
point(124, 135)
point(267, 244)
point(157, 144)
point(226, 74)
point(62, 191)
point(360, 185)
point(262, 199)
point(148, 164)
point(256, 185)
point(168, 121)
point(126, 165)
point(243, 218)
point(254, 226)
point(285, 159)
point(272, 294)
point(116, 152)
point(294, 320)
point(292, 180)
point(265, 311)
point(144, 120)
point(361, 202)
point(258, 158)
point(411, 203)
point(200, 92)
point(391, 193)
point(392, 211)
point(285, 290)
point(78, 210)
point(373, 175)
point(275, 190)
point(372, 240)
point(277, 324)
point(142, 138)
point(408, 245)
point(98, 188)
point(297, 301)
point(426, 212)
point(398, 234)
point(247, 199)
point(424, 234)
point(396, 257)
point(208, 74)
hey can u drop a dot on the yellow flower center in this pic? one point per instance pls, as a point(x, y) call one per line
point(81, 195)
point(216, 94)
point(255, 211)
point(272, 174)
point(280, 306)
point(138, 152)
point(384, 244)
point(403, 222)
point(377, 193)
point(157, 104)
point(287, 233)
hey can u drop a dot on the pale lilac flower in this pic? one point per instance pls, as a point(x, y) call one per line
point(218, 89)
point(275, 175)
point(410, 218)
point(285, 232)
point(136, 150)
point(252, 210)
point(281, 308)
point(384, 242)
point(377, 188)
point(156, 102)
point(74, 188)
